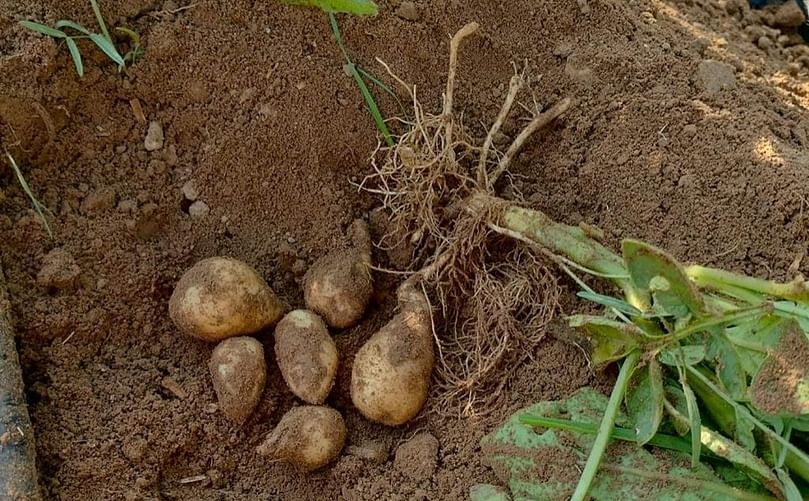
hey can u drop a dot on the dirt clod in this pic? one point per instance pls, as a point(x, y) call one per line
point(190, 190)
point(99, 200)
point(59, 270)
point(715, 76)
point(374, 451)
point(418, 457)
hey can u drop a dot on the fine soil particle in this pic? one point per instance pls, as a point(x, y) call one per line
point(254, 107)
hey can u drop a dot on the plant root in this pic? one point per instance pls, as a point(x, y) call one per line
point(493, 296)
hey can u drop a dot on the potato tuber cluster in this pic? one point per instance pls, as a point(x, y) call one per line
point(224, 300)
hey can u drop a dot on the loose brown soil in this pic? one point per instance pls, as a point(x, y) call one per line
point(706, 159)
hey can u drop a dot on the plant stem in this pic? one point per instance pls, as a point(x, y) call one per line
point(606, 427)
point(661, 440)
point(703, 276)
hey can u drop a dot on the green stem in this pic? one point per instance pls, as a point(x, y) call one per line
point(574, 244)
point(661, 440)
point(703, 276)
point(605, 429)
point(727, 318)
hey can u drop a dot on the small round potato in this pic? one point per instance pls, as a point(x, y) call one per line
point(308, 437)
point(239, 373)
point(222, 297)
point(391, 375)
point(306, 355)
point(338, 286)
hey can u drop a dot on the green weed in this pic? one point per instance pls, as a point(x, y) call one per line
point(39, 207)
point(102, 40)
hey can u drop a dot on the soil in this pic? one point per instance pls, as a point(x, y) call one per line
point(690, 130)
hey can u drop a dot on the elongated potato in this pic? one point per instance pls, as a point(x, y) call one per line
point(308, 437)
point(306, 355)
point(239, 373)
point(391, 374)
point(338, 286)
point(222, 297)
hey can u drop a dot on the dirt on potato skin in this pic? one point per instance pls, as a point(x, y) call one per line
point(257, 111)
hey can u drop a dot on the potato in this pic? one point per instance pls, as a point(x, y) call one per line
point(308, 437)
point(221, 297)
point(239, 373)
point(306, 355)
point(391, 374)
point(338, 286)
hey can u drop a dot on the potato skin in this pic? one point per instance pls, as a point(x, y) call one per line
point(306, 355)
point(308, 437)
point(391, 375)
point(239, 373)
point(338, 287)
point(222, 297)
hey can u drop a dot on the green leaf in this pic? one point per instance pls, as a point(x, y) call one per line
point(546, 465)
point(692, 355)
point(487, 492)
point(75, 55)
point(609, 340)
point(654, 270)
point(644, 402)
point(134, 36)
point(610, 302)
point(357, 7)
point(108, 48)
point(744, 431)
point(70, 24)
point(728, 364)
point(41, 28)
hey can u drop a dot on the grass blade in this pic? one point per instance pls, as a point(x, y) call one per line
point(372, 106)
point(605, 428)
point(38, 207)
point(75, 55)
point(70, 24)
point(109, 49)
point(370, 102)
point(101, 23)
point(41, 28)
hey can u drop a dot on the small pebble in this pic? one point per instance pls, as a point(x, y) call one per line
point(408, 11)
point(154, 136)
point(690, 129)
point(190, 191)
point(199, 209)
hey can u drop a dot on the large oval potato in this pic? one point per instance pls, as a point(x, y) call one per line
point(239, 373)
point(390, 378)
point(306, 355)
point(308, 437)
point(222, 297)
